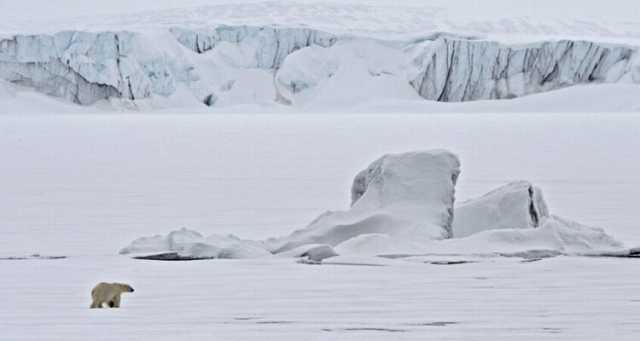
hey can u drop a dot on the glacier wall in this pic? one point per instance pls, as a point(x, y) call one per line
point(231, 65)
point(269, 45)
point(464, 70)
point(79, 66)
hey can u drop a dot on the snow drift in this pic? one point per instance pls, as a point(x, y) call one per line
point(554, 236)
point(188, 244)
point(227, 65)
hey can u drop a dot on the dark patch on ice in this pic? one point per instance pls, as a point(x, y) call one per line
point(449, 262)
point(367, 329)
point(531, 260)
point(551, 330)
point(210, 100)
point(532, 254)
point(483, 287)
point(631, 253)
point(248, 318)
point(308, 261)
point(33, 256)
point(171, 256)
point(433, 324)
point(352, 264)
point(482, 278)
point(274, 322)
point(524, 254)
point(533, 212)
point(397, 256)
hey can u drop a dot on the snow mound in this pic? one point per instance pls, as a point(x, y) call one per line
point(314, 253)
point(515, 205)
point(407, 196)
point(350, 72)
point(192, 245)
point(374, 244)
point(555, 234)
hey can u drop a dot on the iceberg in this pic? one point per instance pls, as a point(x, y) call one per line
point(406, 196)
point(403, 206)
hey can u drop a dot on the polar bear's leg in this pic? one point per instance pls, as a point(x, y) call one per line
point(116, 302)
point(97, 304)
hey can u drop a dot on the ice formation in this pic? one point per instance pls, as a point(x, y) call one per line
point(311, 252)
point(227, 65)
point(268, 46)
point(403, 204)
point(462, 70)
point(555, 235)
point(513, 206)
point(190, 244)
point(408, 197)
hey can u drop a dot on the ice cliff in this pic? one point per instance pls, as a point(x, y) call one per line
point(267, 45)
point(465, 70)
point(78, 66)
point(230, 65)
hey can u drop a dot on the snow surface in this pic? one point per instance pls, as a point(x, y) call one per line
point(602, 98)
point(77, 188)
point(503, 18)
point(83, 186)
point(494, 298)
point(554, 236)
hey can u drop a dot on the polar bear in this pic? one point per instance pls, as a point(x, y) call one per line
point(108, 293)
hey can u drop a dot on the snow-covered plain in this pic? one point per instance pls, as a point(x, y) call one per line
point(555, 299)
point(490, 18)
point(84, 186)
point(77, 189)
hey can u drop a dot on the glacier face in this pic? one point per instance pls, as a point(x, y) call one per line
point(81, 67)
point(230, 65)
point(464, 70)
point(269, 45)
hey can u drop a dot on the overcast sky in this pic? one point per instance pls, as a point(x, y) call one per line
point(618, 10)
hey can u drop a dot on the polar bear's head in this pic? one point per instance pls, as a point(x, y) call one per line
point(124, 287)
